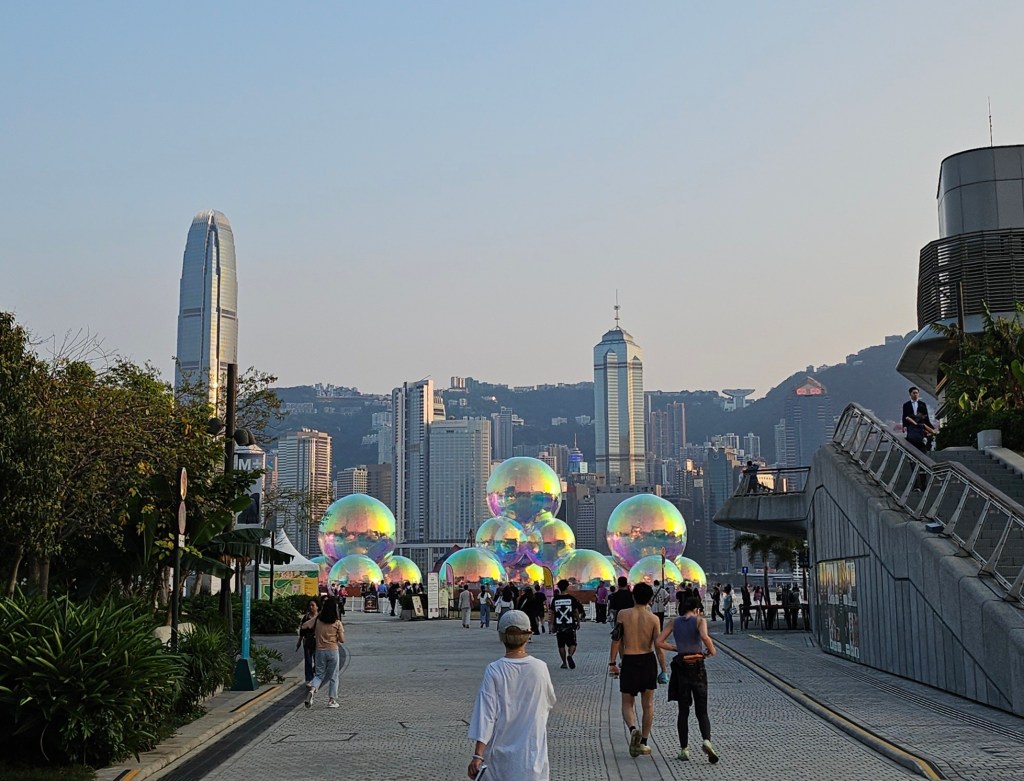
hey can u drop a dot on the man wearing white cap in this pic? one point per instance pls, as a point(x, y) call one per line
point(510, 717)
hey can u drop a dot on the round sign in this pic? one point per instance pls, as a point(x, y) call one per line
point(181, 518)
point(183, 483)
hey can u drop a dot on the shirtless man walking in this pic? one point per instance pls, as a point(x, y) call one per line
point(635, 633)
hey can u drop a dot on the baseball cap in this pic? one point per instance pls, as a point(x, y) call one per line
point(514, 619)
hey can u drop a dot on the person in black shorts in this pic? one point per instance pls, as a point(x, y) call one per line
point(566, 611)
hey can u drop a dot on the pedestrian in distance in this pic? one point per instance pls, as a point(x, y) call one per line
point(601, 602)
point(919, 429)
point(465, 605)
point(307, 641)
point(484, 599)
point(566, 612)
point(510, 716)
point(716, 601)
point(659, 602)
point(330, 633)
point(745, 605)
point(689, 681)
point(636, 634)
point(620, 599)
point(728, 609)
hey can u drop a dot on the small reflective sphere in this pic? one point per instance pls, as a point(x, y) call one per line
point(526, 575)
point(643, 525)
point(323, 565)
point(521, 488)
point(400, 569)
point(471, 566)
point(357, 524)
point(692, 573)
point(649, 569)
point(585, 569)
point(355, 569)
point(502, 536)
point(548, 541)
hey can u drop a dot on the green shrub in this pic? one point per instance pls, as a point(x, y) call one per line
point(202, 610)
point(962, 429)
point(85, 683)
point(273, 619)
point(263, 660)
point(299, 603)
point(208, 661)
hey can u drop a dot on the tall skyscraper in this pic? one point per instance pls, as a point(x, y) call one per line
point(722, 472)
point(501, 434)
point(353, 480)
point(619, 407)
point(304, 483)
point(809, 421)
point(460, 463)
point(414, 408)
point(208, 305)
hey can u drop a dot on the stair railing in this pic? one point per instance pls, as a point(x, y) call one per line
point(940, 493)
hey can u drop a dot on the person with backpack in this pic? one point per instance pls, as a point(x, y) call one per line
point(659, 602)
point(307, 640)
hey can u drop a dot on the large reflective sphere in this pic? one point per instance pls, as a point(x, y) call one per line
point(323, 565)
point(585, 568)
point(527, 574)
point(399, 569)
point(548, 541)
point(472, 565)
point(650, 569)
point(357, 524)
point(643, 525)
point(502, 536)
point(692, 573)
point(521, 488)
point(355, 569)
point(617, 566)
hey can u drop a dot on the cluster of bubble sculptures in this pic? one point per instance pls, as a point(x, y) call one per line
point(357, 539)
point(646, 534)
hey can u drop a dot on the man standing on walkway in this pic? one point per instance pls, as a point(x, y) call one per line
point(566, 611)
point(659, 602)
point(621, 599)
point(636, 631)
point(601, 601)
point(691, 642)
point(465, 605)
point(716, 600)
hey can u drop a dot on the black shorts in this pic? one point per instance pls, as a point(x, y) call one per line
point(639, 673)
point(565, 636)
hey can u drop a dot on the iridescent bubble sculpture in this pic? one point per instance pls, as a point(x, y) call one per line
point(617, 566)
point(645, 525)
point(585, 569)
point(650, 569)
point(548, 541)
point(521, 488)
point(399, 569)
point(692, 573)
point(355, 569)
point(357, 524)
point(502, 536)
point(323, 565)
point(471, 566)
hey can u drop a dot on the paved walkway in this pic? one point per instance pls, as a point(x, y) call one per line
point(407, 692)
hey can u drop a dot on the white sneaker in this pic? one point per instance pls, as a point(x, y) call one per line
point(710, 751)
point(333, 704)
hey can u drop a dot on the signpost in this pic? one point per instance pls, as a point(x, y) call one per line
point(245, 673)
point(745, 571)
point(433, 595)
point(179, 540)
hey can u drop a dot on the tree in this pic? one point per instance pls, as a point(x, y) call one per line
point(772, 550)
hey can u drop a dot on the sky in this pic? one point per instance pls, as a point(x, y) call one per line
point(463, 188)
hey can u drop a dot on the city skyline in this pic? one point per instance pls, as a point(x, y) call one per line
point(359, 169)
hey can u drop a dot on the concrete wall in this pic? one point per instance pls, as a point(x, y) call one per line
point(923, 611)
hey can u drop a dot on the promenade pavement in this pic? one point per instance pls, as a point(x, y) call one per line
point(407, 691)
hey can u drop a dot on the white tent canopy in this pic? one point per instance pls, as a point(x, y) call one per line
point(299, 563)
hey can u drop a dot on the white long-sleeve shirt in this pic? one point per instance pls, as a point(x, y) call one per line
point(511, 717)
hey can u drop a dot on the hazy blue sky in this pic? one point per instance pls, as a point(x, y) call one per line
point(460, 188)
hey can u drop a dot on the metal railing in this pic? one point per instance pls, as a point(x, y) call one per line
point(773, 482)
point(986, 523)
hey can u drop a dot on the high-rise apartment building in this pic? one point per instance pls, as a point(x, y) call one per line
point(207, 305)
point(752, 446)
point(378, 483)
point(619, 407)
point(460, 463)
point(414, 408)
point(501, 434)
point(303, 485)
point(722, 472)
point(351, 481)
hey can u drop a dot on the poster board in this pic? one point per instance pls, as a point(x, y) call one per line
point(433, 607)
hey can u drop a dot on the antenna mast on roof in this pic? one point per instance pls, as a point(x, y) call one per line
point(617, 327)
point(990, 121)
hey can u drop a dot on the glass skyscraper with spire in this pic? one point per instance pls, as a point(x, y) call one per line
point(619, 407)
point(208, 305)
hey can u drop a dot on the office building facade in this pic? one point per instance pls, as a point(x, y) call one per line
point(460, 463)
point(207, 306)
point(303, 485)
point(619, 408)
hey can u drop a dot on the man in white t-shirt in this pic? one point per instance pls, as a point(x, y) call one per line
point(510, 717)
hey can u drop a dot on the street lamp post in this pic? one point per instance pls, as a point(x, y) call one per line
point(179, 540)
